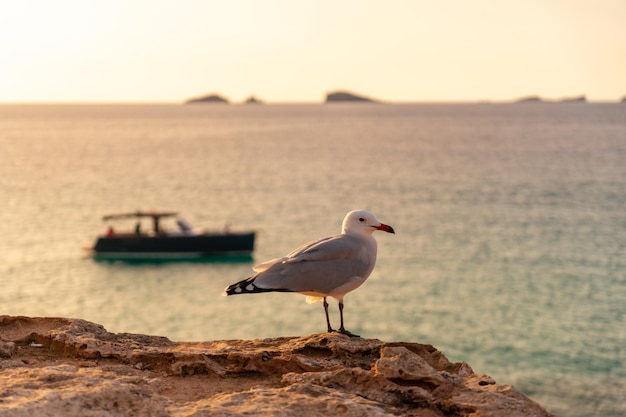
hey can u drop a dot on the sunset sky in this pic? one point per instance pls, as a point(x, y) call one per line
point(296, 51)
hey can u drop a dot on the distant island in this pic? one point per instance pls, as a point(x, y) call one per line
point(343, 96)
point(253, 100)
point(211, 98)
point(530, 99)
point(337, 96)
point(537, 99)
point(578, 99)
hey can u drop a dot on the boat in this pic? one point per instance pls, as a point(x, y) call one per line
point(159, 243)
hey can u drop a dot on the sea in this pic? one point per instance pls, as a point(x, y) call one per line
point(510, 220)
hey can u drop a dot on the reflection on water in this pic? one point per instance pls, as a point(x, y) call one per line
point(140, 261)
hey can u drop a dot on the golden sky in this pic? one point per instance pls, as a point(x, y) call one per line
point(297, 50)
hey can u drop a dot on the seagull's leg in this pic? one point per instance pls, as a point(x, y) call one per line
point(342, 329)
point(330, 329)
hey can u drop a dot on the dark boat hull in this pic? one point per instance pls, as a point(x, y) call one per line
point(174, 247)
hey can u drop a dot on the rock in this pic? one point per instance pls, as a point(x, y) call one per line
point(83, 370)
point(342, 96)
point(403, 366)
point(7, 349)
point(210, 98)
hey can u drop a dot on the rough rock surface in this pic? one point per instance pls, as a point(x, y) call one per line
point(71, 367)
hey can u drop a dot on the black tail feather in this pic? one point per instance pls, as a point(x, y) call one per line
point(247, 286)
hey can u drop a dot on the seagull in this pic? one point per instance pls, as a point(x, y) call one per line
point(328, 267)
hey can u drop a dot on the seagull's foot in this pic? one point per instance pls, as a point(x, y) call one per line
point(346, 332)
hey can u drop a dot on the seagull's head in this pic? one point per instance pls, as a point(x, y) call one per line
point(363, 222)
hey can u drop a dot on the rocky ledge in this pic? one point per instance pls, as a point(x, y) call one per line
point(71, 367)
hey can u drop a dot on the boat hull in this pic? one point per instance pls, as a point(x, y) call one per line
point(174, 246)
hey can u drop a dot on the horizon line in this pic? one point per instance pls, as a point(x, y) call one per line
point(520, 100)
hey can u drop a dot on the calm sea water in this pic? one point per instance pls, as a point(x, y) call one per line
point(510, 220)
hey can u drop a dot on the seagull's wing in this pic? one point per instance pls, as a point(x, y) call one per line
point(295, 255)
point(317, 267)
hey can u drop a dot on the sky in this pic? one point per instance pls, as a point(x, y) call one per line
point(297, 51)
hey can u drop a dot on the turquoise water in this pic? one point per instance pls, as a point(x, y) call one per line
point(510, 226)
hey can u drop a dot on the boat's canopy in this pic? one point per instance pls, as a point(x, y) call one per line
point(154, 215)
point(139, 214)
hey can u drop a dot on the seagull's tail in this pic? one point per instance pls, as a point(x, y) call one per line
point(240, 287)
point(248, 286)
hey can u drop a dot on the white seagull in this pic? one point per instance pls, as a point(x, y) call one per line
point(328, 267)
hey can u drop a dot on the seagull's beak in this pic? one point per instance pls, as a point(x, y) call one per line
point(385, 228)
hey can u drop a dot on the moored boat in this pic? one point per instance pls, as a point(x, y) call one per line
point(163, 244)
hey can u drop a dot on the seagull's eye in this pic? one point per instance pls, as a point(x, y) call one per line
point(361, 219)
